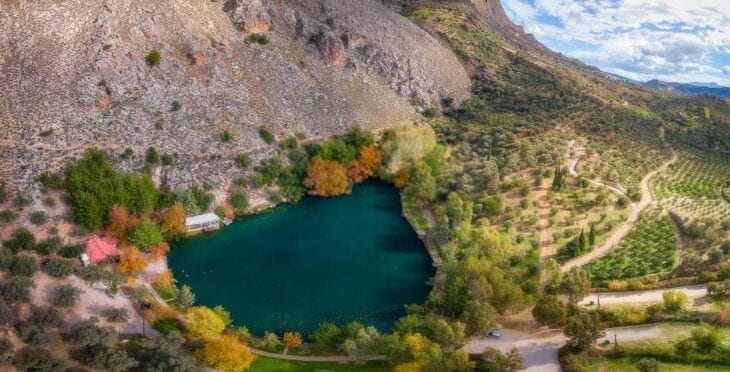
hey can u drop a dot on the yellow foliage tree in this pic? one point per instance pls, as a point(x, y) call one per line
point(326, 177)
point(204, 322)
point(292, 339)
point(225, 353)
point(131, 262)
point(164, 279)
point(402, 177)
point(120, 222)
point(173, 221)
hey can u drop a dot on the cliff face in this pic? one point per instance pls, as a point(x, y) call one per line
point(73, 75)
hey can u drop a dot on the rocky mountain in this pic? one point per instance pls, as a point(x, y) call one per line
point(689, 88)
point(75, 74)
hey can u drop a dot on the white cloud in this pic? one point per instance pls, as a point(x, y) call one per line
point(676, 39)
point(726, 70)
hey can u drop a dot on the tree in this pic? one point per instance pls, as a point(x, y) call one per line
point(515, 362)
point(550, 311)
point(327, 334)
point(402, 177)
point(270, 341)
point(8, 314)
point(32, 359)
point(163, 278)
point(478, 317)
point(492, 359)
point(173, 220)
point(146, 234)
point(44, 316)
point(24, 264)
point(88, 333)
point(159, 251)
point(59, 267)
point(583, 329)
point(225, 353)
point(292, 340)
point(326, 177)
point(355, 172)
point(17, 289)
point(362, 346)
point(707, 337)
point(22, 239)
point(65, 295)
point(240, 203)
point(185, 298)
point(592, 235)
point(112, 359)
point(369, 159)
point(204, 322)
point(116, 314)
point(131, 262)
point(224, 315)
point(582, 241)
point(120, 222)
point(648, 365)
point(422, 185)
point(674, 300)
point(576, 284)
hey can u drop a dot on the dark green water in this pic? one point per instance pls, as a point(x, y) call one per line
point(292, 267)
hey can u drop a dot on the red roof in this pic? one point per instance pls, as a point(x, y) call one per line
point(99, 248)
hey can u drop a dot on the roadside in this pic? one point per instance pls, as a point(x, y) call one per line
point(693, 292)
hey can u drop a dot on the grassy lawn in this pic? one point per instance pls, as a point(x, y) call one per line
point(629, 364)
point(263, 364)
point(651, 247)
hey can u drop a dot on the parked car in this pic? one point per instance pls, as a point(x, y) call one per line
point(494, 334)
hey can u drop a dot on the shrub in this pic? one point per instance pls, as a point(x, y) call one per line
point(16, 289)
point(167, 159)
point(226, 136)
point(24, 264)
point(7, 216)
point(239, 201)
point(22, 238)
point(167, 325)
point(65, 295)
point(153, 57)
point(266, 135)
point(59, 267)
point(49, 201)
point(38, 218)
point(116, 314)
point(648, 365)
point(71, 251)
point(51, 180)
point(243, 160)
point(674, 300)
point(176, 106)
point(258, 39)
point(20, 201)
point(3, 193)
point(152, 157)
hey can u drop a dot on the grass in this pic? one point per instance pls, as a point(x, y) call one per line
point(263, 364)
point(414, 215)
point(167, 293)
point(629, 364)
point(651, 247)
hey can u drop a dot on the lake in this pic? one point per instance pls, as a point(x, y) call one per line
point(325, 259)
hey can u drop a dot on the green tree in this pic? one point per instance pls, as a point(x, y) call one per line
point(422, 185)
point(239, 202)
point(16, 289)
point(582, 241)
point(583, 329)
point(185, 297)
point(24, 264)
point(550, 311)
point(576, 284)
point(515, 362)
point(146, 235)
point(592, 235)
point(59, 267)
point(65, 295)
point(674, 300)
point(478, 317)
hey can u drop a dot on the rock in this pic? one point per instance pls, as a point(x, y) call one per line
point(249, 16)
point(333, 52)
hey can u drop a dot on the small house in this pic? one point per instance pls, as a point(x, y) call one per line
point(203, 222)
point(100, 248)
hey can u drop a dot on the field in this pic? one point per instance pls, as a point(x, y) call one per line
point(650, 248)
point(693, 177)
point(263, 364)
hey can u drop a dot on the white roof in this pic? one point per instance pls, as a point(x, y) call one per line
point(203, 218)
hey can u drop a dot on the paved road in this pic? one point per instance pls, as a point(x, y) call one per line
point(626, 227)
point(654, 295)
point(540, 351)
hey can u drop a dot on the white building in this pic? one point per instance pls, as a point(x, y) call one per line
point(203, 222)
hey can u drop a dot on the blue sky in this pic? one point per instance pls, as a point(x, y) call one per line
point(672, 40)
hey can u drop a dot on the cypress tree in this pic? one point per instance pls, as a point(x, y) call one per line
point(581, 241)
point(592, 235)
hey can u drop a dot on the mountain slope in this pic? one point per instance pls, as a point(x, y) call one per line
point(688, 89)
point(73, 75)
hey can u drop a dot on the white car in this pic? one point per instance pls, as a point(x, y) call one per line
point(494, 334)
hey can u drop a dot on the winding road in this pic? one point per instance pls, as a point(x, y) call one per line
point(693, 292)
point(626, 227)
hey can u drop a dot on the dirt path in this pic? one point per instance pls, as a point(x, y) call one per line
point(304, 358)
point(624, 229)
point(540, 350)
point(693, 292)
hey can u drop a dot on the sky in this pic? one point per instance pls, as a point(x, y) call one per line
point(672, 40)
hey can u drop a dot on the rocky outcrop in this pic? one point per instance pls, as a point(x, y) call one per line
point(74, 75)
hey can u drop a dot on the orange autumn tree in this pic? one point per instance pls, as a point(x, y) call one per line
point(131, 262)
point(120, 222)
point(164, 278)
point(355, 172)
point(292, 339)
point(369, 160)
point(326, 177)
point(225, 353)
point(173, 221)
point(159, 250)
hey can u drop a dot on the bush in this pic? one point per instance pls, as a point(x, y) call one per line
point(239, 201)
point(167, 325)
point(266, 135)
point(226, 136)
point(243, 160)
point(176, 106)
point(7, 216)
point(153, 57)
point(38, 218)
point(674, 300)
point(65, 295)
point(51, 180)
point(20, 200)
point(71, 251)
point(167, 159)
point(24, 264)
point(152, 157)
point(59, 267)
point(22, 239)
point(3, 193)
point(16, 289)
point(648, 365)
point(114, 314)
point(258, 39)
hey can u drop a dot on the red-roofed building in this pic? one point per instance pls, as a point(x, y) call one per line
point(100, 248)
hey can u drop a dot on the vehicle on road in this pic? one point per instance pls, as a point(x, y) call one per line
point(494, 334)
